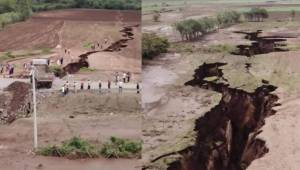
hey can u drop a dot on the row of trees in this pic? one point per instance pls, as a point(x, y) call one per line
point(14, 10)
point(153, 45)
point(256, 14)
point(42, 5)
point(194, 29)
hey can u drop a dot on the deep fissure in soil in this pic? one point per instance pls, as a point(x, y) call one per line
point(261, 44)
point(114, 47)
point(227, 134)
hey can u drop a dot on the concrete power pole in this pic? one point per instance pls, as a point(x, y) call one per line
point(35, 143)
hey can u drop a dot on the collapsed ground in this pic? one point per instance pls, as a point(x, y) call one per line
point(172, 108)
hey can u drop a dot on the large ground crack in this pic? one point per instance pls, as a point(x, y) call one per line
point(227, 134)
point(74, 67)
point(261, 44)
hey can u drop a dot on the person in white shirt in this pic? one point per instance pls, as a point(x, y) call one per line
point(120, 86)
point(124, 77)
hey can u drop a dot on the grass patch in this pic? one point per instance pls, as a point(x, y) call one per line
point(220, 48)
point(87, 45)
point(57, 70)
point(6, 56)
point(73, 148)
point(87, 69)
point(123, 148)
point(46, 50)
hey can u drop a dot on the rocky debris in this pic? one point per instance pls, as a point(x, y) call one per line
point(15, 102)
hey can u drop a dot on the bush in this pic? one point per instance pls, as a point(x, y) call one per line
point(256, 14)
point(9, 18)
point(156, 16)
point(153, 45)
point(73, 148)
point(124, 148)
point(57, 70)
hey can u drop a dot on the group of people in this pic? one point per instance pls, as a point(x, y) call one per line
point(98, 45)
point(7, 69)
point(88, 85)
point(122, 77)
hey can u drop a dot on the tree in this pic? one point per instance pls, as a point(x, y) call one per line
point(153, 45)
point(194, 29)
point(293, 15)
point(156, 16)
point(24, 8)
point(257, 14)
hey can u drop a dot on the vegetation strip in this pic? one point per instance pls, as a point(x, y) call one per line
point(77, 148)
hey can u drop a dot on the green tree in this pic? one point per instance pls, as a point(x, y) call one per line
point(293, 15)
point(156, 16)
point(153, 45)
point(24, 8)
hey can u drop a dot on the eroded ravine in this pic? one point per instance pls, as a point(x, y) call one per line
point(227, 134)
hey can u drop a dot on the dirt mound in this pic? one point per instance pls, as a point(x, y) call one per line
point(15, 102)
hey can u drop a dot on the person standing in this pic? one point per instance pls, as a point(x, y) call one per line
point(2, 69)
point(89, 85)
point(61, 60)
point(63, 90)
point(108, 85)
point(120, 86)
point(137, 88)
point(116, 78)
point(124, 77)
point(81, 85)
point(67, 87)
point(128, 76)
point(74, 85)
point(99, 85)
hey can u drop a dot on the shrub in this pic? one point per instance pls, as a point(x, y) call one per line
point(57, 70)
point(153, 45)
point(156, 16)
point(73, 148)
point(124, 148)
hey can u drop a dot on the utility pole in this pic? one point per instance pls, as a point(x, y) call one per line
point(35, 143)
